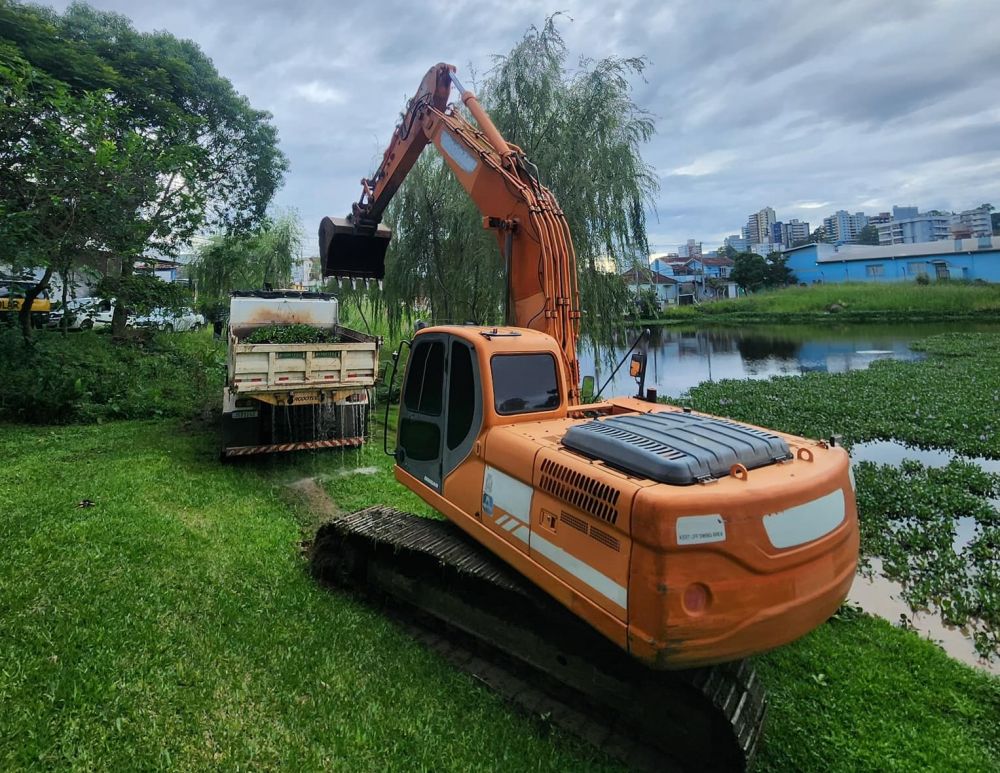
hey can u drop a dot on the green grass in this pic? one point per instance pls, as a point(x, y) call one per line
point(857, 301)
point(174, 625)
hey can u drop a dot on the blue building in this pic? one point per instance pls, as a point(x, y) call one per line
point(952, 259)
point(920, 228)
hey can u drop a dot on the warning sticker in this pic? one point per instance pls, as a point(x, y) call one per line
point(699, 529)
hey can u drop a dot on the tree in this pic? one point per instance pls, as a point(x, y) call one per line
point(647, 303)
point(584, 132)
point(246, 261)
point(60, 167)
point(728, 252)
point(754, 272)
point(818, 236)
point(205, 157)
point(749, 271)
point(868, 234)
point(778, 274)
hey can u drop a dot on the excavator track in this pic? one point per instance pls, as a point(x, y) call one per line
point(481, 615)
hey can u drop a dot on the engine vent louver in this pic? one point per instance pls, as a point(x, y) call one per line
point(605, 539)
point(645, 443)
point(573, 522)
point(583, 492)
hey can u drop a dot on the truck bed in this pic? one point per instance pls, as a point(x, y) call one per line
point(351, 363)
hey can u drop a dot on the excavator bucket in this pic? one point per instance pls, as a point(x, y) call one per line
point(353, 252)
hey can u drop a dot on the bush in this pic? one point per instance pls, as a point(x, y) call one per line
point(86, 377)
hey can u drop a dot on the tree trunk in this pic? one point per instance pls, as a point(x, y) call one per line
point(64, 322)
point(120, 315)
point(24, 314)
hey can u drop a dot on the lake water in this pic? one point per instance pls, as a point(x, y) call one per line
point(682, 357)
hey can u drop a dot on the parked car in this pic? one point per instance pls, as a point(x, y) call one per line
point(12, 293)
point(169, 319)
point(84, 314)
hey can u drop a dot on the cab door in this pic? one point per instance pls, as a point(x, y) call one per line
point(441, 409)
point(421, 411)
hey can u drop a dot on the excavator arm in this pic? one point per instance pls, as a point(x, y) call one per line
point(531, 230)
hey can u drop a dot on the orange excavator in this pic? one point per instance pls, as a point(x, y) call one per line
point(585, 530)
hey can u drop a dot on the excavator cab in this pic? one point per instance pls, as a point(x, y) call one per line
point(352, 251)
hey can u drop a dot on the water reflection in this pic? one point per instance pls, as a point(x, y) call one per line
point(682, 357)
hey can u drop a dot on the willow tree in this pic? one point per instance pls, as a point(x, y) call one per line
point(246, 261)
point(584, 131)
point(442, 266)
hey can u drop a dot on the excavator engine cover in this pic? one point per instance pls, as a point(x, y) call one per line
point(675, 447)
point(352, 251)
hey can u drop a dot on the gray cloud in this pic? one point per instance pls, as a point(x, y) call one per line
point(858, 103)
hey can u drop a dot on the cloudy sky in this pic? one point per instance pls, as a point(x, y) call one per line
point(807, 107)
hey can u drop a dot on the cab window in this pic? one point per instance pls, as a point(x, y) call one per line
point(425, 379)
point(524, 383)
point(461, 395)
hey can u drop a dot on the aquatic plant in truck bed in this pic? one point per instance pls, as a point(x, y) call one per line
point(291, 334)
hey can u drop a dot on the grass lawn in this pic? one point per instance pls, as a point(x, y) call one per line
point(173, 625)
point(860, 301)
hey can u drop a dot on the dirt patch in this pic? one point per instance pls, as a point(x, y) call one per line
point(312, 505)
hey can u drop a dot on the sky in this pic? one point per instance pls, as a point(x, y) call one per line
point(807, 107)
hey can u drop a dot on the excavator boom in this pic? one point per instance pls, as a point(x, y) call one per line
point(531, 230)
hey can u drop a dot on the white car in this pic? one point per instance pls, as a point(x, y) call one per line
point(169, 319)
point(84, 314)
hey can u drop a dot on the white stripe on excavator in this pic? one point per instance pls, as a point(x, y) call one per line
point(806, 522)
point(511, 524)
point(508, 493)
point(503, 518)
point(579, 569)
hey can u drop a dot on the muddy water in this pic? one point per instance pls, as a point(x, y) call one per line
point(882, 597)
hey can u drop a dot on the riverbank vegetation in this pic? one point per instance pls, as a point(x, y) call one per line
point(87, 377)
point(851, 302)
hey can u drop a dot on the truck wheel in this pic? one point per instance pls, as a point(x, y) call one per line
point(87, 324)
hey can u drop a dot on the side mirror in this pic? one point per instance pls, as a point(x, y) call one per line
point(587, 389)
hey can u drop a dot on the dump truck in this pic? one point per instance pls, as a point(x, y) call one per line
point(290, 396)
